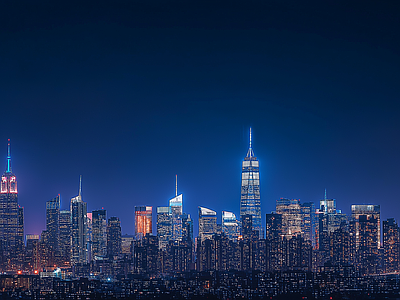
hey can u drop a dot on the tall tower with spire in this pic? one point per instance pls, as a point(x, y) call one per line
point(250, 203)
point(78, 227)
point(11, 226)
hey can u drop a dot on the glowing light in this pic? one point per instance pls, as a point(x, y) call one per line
point(19, 272)
point(35, 272)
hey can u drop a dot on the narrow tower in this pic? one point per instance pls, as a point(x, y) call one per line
point(250, 203)
point(11, 227)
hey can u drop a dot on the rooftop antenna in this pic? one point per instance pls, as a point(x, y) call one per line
point(325, 194)
point(176, 185)
point(250, 137)
point(8, 157)
point(80, 185)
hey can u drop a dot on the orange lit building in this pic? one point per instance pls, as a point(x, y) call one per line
point(143, 221)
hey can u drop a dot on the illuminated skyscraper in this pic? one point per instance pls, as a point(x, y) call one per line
point(78, 228)
point(250, 203)
point(176, 207)
point(164, 226)
point(65, 237)
point(391, 245)
point(370, 211)
point(230, 225)
point(291, 215)
point(207, 223)
point(99, 233)
point(53, 222)
point(10, 218)
point(143, 221)
point(113, 238)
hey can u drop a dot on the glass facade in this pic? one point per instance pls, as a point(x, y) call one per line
point(230, 225)
point(143, 221)
point(164, 226)
point(250, 203)
point(207, 223)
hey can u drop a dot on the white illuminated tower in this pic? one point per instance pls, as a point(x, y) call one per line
point(250, 203)
point(11, 218)
point(176, 207)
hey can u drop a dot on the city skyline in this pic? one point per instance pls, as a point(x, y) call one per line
point(130, 94)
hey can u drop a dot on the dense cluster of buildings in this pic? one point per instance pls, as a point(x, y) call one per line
point(298, 238)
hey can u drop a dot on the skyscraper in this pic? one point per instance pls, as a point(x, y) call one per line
point(176, 207)
point(164, 226)
point(370, 211)
point(78, 227)
point(99, 233)
point(391, 245)
point(250, 203)
point(65, 237)
point(230, 225)
point(113, 238)
point(10, 217)
point(291, 215)
point(143, 221)
point(207, 223)
point(53, 222)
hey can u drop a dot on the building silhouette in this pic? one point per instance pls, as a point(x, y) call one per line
point(78, 228)
point(65, 238)
point(114, 238)
point(11, 219)
point(250, 189)
point(53, 223)
point(99, 233)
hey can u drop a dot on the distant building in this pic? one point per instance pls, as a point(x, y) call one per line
point(114, 238)
point(143, 221)
point(307, 211)
point(207, 223)
point(65, 237)
point(391, 245)
point(11, 239)
point(273, 241)
point(370, 211)
point(291, 216)
point(250, 203)
point(176, 209)
point(99, 233)
point(53, 222)
point(78, 228)
point(164, 226)
point(230, 225)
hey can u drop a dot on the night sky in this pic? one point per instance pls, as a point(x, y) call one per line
point(130, 93)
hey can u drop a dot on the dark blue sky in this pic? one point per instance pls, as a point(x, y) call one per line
point(130, 93)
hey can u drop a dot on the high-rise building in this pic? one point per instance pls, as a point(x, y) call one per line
point(368, 210)
point(307, 211)
point(99, 233)
point(368, 244)
point(391, 245)
point(273, 241)
point(250, 203)
point(113, 238)
point(164, 226)
point(291, 216)
point(65, 237)
point(10, 218)
point(230, 225)
point(53, 223)
point(176, 208)
point(78, 228)
point(143, 221)
point(89, 241)
point(207, 223)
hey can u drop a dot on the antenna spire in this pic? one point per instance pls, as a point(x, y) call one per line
point(325, 194)
point(8, 157)
point(176, 185)
point(80, 186)
point(250, 137)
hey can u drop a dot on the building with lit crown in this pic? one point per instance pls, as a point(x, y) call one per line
point(143, 221)
point(250, 203)
point(207, 223)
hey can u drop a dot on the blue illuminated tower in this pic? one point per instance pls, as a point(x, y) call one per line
point(11, 218)
point(250, 203)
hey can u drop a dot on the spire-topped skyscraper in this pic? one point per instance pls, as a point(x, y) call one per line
point(11, 227)
point(250, 203)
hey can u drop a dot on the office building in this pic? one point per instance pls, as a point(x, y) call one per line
point(65, 237)
point(11, 240)
point(391, 245)
point(370, 211)
point(176, 209)
point(53, 223)
point(114, 238)
point(273, 239)
point(250, 203)
point(78, 228)
point(143, 221)
point(291, 216)
point(230, 225)
point(99, 234)
point(164, 226)
point(207, 223)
